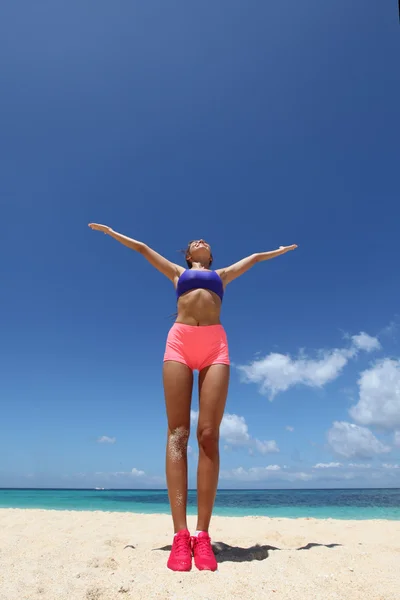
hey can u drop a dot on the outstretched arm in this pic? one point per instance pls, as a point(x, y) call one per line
point(230, 273)
point(166, 267)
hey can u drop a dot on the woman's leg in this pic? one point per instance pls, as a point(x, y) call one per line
point(178, 385)
point(213, 390)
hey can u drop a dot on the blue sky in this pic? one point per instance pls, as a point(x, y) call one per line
point(252, 125)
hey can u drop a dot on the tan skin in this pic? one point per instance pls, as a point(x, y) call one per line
point(197, 307)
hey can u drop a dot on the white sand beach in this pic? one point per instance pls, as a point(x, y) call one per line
point(68, 555)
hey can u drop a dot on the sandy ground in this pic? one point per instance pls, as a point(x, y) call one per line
point(59, 555)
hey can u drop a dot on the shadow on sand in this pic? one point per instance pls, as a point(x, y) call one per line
point(311, 545)
point(225, 553)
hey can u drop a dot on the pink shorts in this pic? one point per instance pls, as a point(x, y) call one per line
point(197, 347)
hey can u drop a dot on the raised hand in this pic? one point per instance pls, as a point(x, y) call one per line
point(288, 248)
point(98, 227)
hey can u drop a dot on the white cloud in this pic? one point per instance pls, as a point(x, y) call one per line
point(396, 439)
point(133, 473)
point(289, 428)
point(338, 465)
point(366, 342)
point(132, 478)
point(300, 476)
point(137, 473)
point(234, 432)
point(194, 416)
point(328, 475)
point(379, 396)
point(104, 439)
point(267, 447)
point(263, 474)
point(351, 441)
point(278, 372)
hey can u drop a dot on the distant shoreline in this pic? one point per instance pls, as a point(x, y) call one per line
point(339, 504)
point(88, 489)
point(165, 514)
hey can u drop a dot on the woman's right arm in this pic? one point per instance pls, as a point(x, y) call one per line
point(166, 267)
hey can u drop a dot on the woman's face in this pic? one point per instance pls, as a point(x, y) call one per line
point(199, 251)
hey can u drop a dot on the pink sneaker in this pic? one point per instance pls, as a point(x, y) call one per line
point(180, 558)
point(204, 558)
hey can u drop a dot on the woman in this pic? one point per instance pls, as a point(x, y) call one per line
point(196, 341)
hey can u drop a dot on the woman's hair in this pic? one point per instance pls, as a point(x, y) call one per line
point(188, 262)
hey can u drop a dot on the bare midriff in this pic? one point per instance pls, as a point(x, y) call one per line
point(199, 307)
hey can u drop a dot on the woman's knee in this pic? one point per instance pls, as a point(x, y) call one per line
point(177, 442)
point(208, 438)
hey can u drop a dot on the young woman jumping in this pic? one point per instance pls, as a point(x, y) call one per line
point(196, 341)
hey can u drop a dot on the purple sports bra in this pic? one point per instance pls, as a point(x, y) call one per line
point(192, 279)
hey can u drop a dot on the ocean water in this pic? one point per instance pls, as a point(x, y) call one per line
point(322, 504)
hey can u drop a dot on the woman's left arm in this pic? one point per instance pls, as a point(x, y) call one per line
point(230, 273)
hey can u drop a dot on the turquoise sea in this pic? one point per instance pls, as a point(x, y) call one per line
point(323, 504)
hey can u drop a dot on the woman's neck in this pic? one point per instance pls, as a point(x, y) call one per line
point(200, 266)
